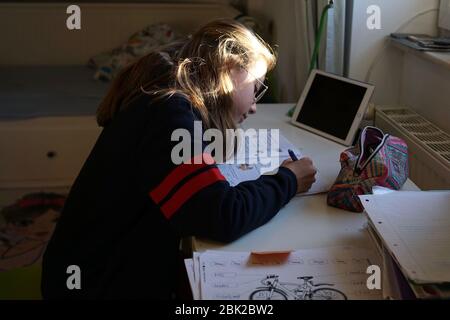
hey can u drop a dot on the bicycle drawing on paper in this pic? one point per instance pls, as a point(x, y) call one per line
point(273, 289)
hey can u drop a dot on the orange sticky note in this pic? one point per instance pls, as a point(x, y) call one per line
point(269, 257)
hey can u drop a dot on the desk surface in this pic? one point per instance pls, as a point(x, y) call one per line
point(305, 222)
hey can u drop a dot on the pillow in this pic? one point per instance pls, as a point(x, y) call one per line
point(109, 64)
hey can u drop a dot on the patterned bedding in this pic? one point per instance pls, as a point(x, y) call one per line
point(26, 227)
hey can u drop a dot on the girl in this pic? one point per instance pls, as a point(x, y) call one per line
point(130, 205)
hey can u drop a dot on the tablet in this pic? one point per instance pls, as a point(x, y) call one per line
point(332, 106)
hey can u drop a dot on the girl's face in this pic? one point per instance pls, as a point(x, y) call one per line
point(246, 85)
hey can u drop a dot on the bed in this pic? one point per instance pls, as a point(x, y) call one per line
point(42, 91)
point(48, 95)
point(48, 100)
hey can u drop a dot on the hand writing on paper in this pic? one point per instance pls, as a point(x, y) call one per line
point(305, 172)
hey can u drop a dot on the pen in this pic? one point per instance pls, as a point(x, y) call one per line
point(293, 156)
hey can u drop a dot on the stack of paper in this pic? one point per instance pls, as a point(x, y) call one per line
point(319, 274)
point(412, 231)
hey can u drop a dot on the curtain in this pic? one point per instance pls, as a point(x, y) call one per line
point(334, 55)
point(305, 25)
point(332, 49)
point(292, 25)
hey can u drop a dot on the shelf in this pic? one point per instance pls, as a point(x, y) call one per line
point(439, 58)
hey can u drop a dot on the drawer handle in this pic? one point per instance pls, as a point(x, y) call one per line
point(51, 154)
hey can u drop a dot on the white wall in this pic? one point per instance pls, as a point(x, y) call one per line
point(36, 34)
point(366, 44)
point(444, 16)
point(425, 87)
point(400, 79)
point(282, 16)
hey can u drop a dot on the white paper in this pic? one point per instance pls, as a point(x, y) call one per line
point(196, 292)
point(381, 190)
point(236, 174)
point(338, 273)
point(251, 162)
point(415, 227)
point(322, 185)
point(264, 147)
point(189, 264)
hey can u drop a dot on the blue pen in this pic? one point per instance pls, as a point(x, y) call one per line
point(293, 156)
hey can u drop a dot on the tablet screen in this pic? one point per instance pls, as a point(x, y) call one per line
point(331, 106)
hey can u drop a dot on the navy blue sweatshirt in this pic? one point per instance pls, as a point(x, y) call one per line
point(130, 205)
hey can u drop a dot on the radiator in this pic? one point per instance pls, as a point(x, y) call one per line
point(429, 146)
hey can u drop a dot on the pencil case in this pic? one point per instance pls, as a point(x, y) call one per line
point(378, 159)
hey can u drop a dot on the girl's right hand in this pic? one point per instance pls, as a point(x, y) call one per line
point(305, 172)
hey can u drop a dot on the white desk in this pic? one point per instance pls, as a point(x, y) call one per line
point(306, 222)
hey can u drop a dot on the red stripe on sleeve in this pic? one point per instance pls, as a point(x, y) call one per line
point(178, 174)
point(188, 190)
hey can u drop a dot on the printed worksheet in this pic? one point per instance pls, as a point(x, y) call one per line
point(256, 156)
point(251, 162)
point(263, 147)
point(317, 274)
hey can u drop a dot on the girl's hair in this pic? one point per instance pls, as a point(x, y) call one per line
point(198, 68)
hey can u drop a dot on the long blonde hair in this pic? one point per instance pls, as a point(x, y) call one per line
point(198, 68)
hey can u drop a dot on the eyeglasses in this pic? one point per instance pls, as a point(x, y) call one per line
point(259, 92)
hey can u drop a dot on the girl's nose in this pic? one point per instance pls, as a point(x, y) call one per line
point(253, 109)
